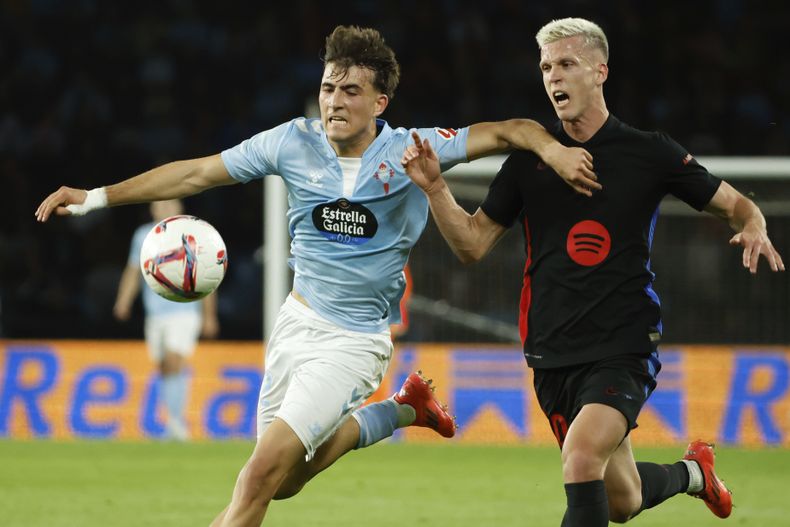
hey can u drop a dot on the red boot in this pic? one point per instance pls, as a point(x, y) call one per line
point(715, 495)
point(417, 392)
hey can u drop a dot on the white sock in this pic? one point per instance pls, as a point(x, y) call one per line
point(696, 479)
point(406, 413)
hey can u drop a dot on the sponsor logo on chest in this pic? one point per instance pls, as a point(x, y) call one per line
point(345, 222)
point(588, 243)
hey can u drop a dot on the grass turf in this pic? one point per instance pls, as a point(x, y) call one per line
point(90, 484)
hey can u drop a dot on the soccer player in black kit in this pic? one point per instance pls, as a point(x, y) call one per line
point(590, 319)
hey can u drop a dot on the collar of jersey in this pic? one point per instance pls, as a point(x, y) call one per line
point(598, 136)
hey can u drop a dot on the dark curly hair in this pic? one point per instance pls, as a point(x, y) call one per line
point(349, 46)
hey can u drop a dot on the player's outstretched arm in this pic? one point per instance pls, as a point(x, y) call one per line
point(210, 329)
point(172, 180)
point(574, 165)
point(128, 288)
point(749, 225)
point(469, 236)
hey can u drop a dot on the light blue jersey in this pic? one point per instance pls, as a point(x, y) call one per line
point(348, 252)
point(154, 304)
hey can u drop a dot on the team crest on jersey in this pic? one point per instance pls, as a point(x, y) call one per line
point(446, 133)
point(384, 174)
point(344, 222)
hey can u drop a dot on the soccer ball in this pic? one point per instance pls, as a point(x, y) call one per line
point(183, 258)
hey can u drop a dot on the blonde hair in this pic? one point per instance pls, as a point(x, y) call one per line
point(570, 27)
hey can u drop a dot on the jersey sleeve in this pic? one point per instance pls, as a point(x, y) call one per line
point(255, 157)
point(686, 179)
point(448, 143)
point(503, 204)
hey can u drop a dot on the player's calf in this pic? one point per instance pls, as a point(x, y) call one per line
point(623, 505)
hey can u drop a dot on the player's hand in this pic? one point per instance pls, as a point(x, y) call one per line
point(57, 202)
point(122, 312)
point(575, 167)
point(755, 242)
point(422, 165)
point(210, 329)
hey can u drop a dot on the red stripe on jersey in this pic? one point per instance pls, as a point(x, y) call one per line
point(526, 290)
point(447, 133)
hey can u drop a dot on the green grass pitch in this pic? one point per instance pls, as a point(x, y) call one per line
point(116, 484)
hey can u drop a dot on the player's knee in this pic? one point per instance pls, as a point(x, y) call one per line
point(172, 363)
point(581, 465)
point(261, 479)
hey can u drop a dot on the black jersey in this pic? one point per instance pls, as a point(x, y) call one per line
point(587, 291)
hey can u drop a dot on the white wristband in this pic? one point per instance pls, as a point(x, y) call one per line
point(96, 199)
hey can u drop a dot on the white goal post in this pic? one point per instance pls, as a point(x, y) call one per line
point(470, 180)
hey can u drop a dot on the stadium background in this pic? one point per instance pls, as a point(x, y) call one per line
point(94, 92)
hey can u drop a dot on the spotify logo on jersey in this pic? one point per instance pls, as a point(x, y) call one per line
point(588, 243)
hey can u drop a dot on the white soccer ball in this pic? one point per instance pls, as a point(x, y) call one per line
point(183, 258)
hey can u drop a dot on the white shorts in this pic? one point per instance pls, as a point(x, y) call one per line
point(317, 373)
point(175, 333)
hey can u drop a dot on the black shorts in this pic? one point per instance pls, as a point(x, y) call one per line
point(623, 382)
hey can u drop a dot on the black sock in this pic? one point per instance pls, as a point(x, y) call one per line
point(660, 482)
point(587, 505)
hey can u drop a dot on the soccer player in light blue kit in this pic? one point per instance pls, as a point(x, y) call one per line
point(354, 216)
point(171, 328)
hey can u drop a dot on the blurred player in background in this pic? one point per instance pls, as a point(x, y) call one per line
point(354, 216)
point(171, 328)
point(590, 320)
